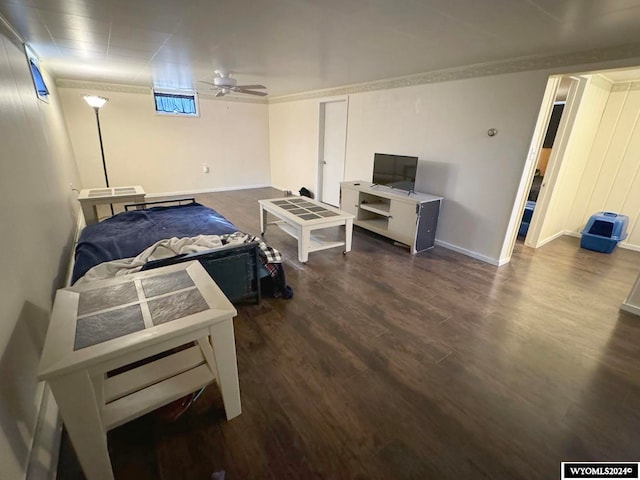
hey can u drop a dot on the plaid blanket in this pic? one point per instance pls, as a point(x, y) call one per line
point(271, 255)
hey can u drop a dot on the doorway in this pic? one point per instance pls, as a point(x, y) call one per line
point(332, 149)
point(593, 165)
point(543, 185)
point(547, 146)
point(565, 85)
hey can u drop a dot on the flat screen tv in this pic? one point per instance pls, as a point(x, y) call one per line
point(396, 171)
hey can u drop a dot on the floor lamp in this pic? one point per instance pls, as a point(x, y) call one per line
point(96, 103)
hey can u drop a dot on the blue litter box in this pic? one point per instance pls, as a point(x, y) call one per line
point(604, 231)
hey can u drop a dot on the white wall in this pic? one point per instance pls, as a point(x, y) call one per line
point(611, 176)
point(579, 146)
point(38, 217)
point(293, 144)
point(445, 124)
point(165, 153)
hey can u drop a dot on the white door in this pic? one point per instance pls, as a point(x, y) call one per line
point(333, 142)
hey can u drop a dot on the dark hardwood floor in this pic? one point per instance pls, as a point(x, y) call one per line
point(391, 366)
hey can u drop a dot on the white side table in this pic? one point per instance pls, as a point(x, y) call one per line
point(90, 198)
point(101, 326)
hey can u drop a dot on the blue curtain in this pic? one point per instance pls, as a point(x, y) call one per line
point(169, 103)
point(41, 88)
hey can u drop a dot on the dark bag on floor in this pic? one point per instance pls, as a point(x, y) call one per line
point(304, 192)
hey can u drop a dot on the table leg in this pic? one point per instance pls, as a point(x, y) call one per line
point(90, 213)
point(348, 231)
point(139, 199)
point(224, 351)
point(80, 413)
point(304, 239)
point(263, 221)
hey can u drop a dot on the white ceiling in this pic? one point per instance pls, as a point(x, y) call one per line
point(295, 46)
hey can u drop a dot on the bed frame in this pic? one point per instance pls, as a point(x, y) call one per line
point(234, 268)
point(159, 203)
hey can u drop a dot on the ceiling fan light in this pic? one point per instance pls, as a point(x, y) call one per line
point(225, 82)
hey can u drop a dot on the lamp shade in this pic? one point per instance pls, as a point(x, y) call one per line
point(95, 101)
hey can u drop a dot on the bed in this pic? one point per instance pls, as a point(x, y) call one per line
point(243, 269)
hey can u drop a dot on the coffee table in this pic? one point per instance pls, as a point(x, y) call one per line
point(97, 328)
point(299, 216)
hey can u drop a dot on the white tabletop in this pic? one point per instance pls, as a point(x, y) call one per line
point(303, 210)
point(102, 320)
point(110, 192)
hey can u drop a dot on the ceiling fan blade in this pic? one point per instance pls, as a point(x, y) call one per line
point(220, 93)
point(250, 87)
point(250, 92)
point(208, 83)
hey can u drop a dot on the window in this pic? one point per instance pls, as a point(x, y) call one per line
point(38, 81)
point(175, 103)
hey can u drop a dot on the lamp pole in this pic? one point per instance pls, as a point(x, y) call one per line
point(104, 164)
point(96, 103)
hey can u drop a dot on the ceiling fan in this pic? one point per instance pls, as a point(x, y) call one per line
point(224, 83)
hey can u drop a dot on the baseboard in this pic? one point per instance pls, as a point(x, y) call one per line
point(470, 253)
point(43, 458)
point(627, 307)
point(626, 246)
point(205, 190)
point(504, 261)
point(278, 187)
point(550, 239)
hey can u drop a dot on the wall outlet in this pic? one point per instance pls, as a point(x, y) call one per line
point(205, 168)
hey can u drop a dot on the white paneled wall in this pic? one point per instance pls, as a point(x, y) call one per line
point(579, 146)
point(611, 177)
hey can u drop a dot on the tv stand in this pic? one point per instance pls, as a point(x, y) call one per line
point(409, 218)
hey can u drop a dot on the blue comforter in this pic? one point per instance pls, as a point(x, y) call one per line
point(127, 234)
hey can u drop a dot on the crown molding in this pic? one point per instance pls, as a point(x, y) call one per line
point(630, 86)
point(601, 81)
point(523, 64)
point(105, 87)
point(144, 90)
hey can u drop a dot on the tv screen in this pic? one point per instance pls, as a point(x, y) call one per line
point(396, 171)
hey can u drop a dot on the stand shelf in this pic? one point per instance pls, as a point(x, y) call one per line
point(378, 208)
point(410, 219)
